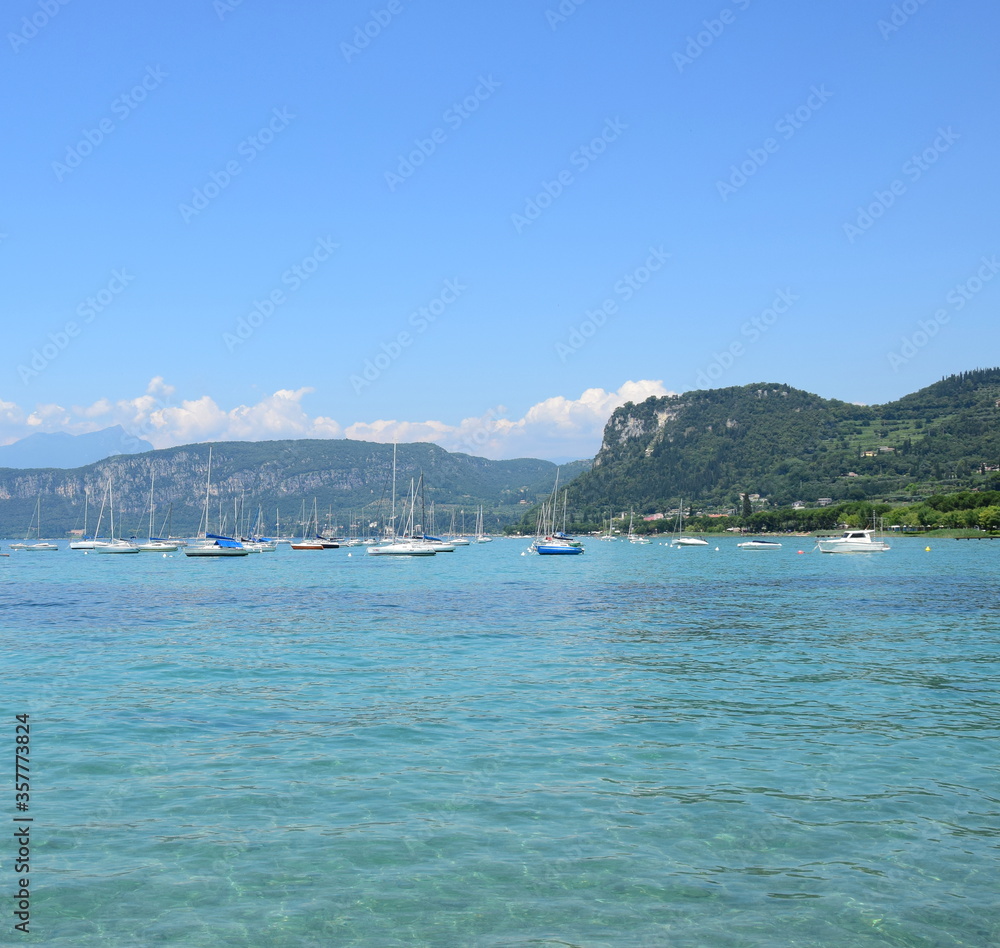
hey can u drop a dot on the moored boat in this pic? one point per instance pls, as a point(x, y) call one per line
point(853, 541)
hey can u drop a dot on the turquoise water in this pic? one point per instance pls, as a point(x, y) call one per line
point(639, 746)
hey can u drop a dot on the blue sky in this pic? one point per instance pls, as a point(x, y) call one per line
point(486, 224)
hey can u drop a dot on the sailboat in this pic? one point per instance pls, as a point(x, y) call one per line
point(634, 537)
point(85, 542)
point(307, 542)
point(154, 544)
point(481, 536)
point(396, 547)
point(214, 544)
point(115, 544)
point(548, 541)
point(679, 538)
point(39, 546)
point(454, 538)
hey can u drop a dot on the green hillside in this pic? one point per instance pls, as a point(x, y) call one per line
point(787, 445)
point(346, 478)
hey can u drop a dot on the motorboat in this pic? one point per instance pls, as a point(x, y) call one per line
point(853, 541)
point(759, 545)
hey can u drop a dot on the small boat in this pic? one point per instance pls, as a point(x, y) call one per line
point(759, 545)
point(556, 546)
point(215, 545)
point(154, 544)
point(115, 544)
point(402, 548)
point(40, 546)
point(634, 537)
point(548, 541)
point(853, 541)
point(679, 538)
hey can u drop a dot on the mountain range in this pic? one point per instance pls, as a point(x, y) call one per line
point(347, 480)
point(769, 440)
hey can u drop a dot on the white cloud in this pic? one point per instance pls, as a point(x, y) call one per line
point(556, 427)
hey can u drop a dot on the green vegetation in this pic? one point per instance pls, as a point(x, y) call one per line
point(784, 446)
point(347, 478)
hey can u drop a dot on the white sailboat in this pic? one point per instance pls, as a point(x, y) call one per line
point(635, 537)
point(394, 546)
point(213, 544)
point(115, 544)
point(481, 536)
point(679, 539)
point(154, 544)
point(39, 546)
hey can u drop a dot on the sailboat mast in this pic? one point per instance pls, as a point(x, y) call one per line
point(208, 485)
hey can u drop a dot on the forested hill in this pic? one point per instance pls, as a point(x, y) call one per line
point(345, 478)
point(788, 445)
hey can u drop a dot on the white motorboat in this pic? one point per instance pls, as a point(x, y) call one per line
point(853, 541)
point(759, 545)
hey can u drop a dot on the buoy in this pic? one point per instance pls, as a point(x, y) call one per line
point(349, 554)
point(927, 549)
point(801, 551)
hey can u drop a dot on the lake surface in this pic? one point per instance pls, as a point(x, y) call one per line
point(635, 747)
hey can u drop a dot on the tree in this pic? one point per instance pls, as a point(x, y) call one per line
point(747, 507)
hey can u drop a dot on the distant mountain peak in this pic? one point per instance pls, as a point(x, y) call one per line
point(58, 449)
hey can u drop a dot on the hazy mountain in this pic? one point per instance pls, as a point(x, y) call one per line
point(68, 451)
